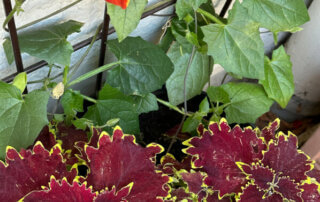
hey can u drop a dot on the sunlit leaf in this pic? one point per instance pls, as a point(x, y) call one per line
point(21, 117)
point(286, 15)
point(236, 46)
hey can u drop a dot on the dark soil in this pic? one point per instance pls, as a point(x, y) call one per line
point(154, 124)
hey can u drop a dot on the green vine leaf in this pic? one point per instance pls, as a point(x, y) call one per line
point(49, 43)
point(72, 102)
point(192, 122)
point(217, 94)
point(183, 7)
point(143, 68)
point(126, 20)
point(112, 104)
point(145, 103)
point(277, 15)
point(198, 74)
point(278, 82)
point(236, 46)
point(20, 81)
point(247, 102)
point(21, 117)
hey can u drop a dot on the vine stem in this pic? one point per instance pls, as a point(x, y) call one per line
point(88, 98)
point(16, 8)
point(210, 16)
point(185, 88)
point(185, 100)
point(77, 65)
point(93, 73)
point(172, 107)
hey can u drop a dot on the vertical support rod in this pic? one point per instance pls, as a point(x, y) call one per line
point(13, 36)
point(225, 8)
point(103, 46)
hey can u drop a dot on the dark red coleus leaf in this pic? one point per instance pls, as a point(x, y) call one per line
point(93, 142)
point(314, 173)
point(194, 180)
point(310, 192)
point(269, 182)
point(214, 197)
point(179, 194)
point(122, 3)
point(68, 136)
point(285, 159)
point(118, 161)
point(113, 196)
point(281, 170)
point(29, 170)
point(62, 192)
point(260, 175)
point(287, 188)
point(251, 193)
point(47, 138)
point(217, 151)
point(168, 164)
point(269, 132)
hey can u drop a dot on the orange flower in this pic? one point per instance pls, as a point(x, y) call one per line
point(123, 3)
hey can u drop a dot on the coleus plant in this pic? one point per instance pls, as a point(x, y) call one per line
point(221, 164)
point(113, 174)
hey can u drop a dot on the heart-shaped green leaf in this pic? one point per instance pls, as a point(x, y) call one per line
point(143, 68)
point(198, 74)
point(275, 15)
point(247, 102)
point(21, 117)
point(278, 82)
point(126, 20)
point(236, 46)
point(49, 43)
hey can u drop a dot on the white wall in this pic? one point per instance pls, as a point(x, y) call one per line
point(304, 49)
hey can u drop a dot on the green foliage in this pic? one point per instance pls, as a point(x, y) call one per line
point(22, 116)
point(126, 20)
point(114, 104)
point(72, 102)
point(247, 101)
point(277, 15)
point(193, 121)
point(145, 103)
point(237, 46)
point(143, 68)
point(218, 94)
point(49, 43)
point(198, 74)
point(184, 7)
point(20, 81)
point(278, 82)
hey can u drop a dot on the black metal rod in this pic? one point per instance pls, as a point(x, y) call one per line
point(14, 39)
point(83, 43)
point(13, 36)
point(225, 8)
point(103, 45)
